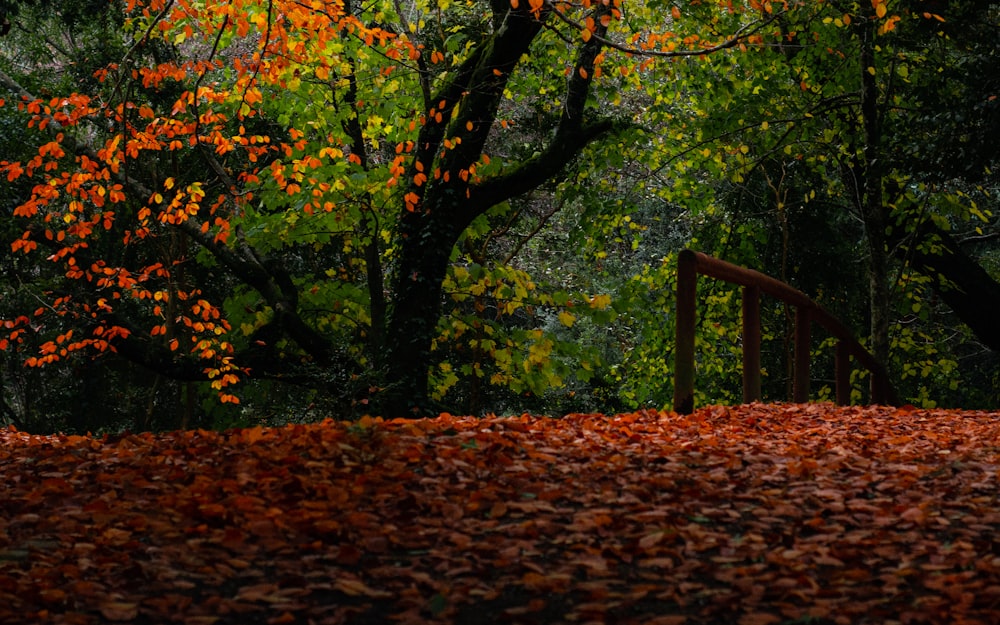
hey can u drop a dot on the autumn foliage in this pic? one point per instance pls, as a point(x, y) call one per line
point(751, 515)
point(246, 183)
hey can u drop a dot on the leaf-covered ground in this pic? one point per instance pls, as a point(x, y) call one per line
point(749, 515)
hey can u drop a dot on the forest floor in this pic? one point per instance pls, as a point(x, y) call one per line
point(751, 515)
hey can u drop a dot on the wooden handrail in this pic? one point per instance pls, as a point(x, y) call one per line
point(691, 263)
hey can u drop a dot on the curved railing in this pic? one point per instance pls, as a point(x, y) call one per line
point(691, 263)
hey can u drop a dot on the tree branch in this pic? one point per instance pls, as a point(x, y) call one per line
point(476, 89)
point(273, 283)
point(743, 32)
point(571, 134)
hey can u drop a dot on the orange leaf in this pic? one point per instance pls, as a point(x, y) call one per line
point(355, 588)
point(119, 611)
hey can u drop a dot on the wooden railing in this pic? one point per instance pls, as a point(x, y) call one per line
point(691, 263)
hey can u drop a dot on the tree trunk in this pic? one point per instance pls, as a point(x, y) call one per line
point(438, 210)
point(870, 195)
point(426, 242)
point(960, 281)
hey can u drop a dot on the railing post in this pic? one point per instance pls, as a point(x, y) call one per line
point(842, 373)
point(751, 344)
point(800, 380)
point(687, 291)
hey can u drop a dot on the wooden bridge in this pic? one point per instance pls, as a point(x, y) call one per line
point(691, 263)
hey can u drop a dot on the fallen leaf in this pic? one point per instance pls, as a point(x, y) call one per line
point(119, 611)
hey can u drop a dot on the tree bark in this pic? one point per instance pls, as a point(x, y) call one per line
point(425, 251)
point(873, 209)
point(431, 224)
point(960, 281)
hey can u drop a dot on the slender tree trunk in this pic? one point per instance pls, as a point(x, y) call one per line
point(376, 289)
point(873, 209)
point(372, 249)
point(878, 291)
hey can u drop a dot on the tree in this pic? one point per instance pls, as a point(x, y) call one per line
point(858, 111)
point(54, 48)
point(438, 211)
point(273, 190)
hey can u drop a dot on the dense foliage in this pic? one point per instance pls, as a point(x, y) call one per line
point(313, 209)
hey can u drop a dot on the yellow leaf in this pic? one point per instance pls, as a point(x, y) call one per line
point(566, 318)
point(880, 10)
point(600, 301)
